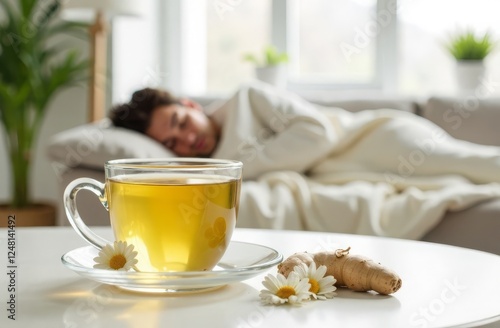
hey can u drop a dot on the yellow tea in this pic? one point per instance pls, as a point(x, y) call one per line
point(176, 222)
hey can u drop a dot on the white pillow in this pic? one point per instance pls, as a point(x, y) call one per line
point(91, 145)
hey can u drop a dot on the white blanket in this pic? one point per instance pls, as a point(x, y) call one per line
point(378, 172)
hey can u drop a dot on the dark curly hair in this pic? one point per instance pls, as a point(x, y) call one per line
point(136, 114)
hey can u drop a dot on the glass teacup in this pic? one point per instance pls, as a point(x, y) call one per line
point(178, 213)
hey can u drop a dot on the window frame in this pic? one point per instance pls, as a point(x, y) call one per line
point(174, 26)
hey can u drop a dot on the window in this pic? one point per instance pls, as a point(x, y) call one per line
point(425, 65)
point(330, 43)
point(196, 47)
point(233, 29)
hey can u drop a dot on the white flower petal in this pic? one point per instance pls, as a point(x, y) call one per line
point(303, 285)
point(293, 278)
point(119, 248)
point(293, 299)
point(278, 300)
point(327, 280)
point(101, 266)
point(275, 283)
point(321, 271)
point(326, 284)
point(282, 280)
point(270, 283)
point(301, 270)
point(106, 250)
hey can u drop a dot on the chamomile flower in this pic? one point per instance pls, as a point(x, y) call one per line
point(321, 287)
point(281, 290)
point(118, 256)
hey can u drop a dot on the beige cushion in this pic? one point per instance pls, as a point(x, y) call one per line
point(91, 145)
point(352, 103)
point(471, 118)
point(475, 227)
point(359, 104)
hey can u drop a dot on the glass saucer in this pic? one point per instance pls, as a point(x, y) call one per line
point(240, 262)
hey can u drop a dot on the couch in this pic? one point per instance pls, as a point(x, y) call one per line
point(81, 152)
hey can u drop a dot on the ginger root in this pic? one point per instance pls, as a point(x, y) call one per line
point(355, 272)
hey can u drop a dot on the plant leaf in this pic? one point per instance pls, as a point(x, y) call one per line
point(466, 46)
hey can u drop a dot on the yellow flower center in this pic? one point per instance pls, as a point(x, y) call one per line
point(285, 292)
point(117, 261)
point(314, 286)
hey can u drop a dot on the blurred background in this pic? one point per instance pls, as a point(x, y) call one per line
point(351, 45)
point(358, 48)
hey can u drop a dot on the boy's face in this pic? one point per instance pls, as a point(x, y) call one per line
point(184, 129)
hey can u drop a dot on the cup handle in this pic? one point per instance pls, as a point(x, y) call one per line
point(72, 213)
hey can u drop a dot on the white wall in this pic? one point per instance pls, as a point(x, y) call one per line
point(136, 52)
point(69, 109)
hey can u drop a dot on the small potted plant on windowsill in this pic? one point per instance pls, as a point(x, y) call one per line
point(270, 67)
point(469, 52)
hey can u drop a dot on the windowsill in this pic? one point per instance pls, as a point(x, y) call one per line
point(327, 95)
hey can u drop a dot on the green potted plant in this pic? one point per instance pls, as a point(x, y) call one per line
point(469, 51)
point(270, 66)
point(35, 65)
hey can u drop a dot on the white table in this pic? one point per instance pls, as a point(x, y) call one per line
point(443, 286)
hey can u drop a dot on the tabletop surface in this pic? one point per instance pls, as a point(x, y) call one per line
point(443, 286)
